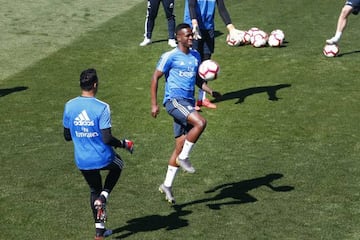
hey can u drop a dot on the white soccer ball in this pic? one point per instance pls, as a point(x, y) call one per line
point(208, 70)
point(276, 38)
point(259, 38)
point(246, 37)
point(252, 31)
point(331, 50)
point(236, 39)
point(233, 41)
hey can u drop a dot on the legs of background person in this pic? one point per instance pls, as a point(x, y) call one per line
point(169, 13)
point(341, 24)
point(151, 14)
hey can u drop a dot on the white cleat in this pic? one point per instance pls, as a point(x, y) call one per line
point(185, 164)
point(168, 193)
point(332, 41)
point(172, 43)
point(146, 42)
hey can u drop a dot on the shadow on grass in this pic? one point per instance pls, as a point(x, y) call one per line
point(7, 91)
point(242, 94)
point(152, 223)
point(237, 192)
point(348, 53)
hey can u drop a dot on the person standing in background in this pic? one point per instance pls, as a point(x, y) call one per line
point(151, 14)
point(200, 15)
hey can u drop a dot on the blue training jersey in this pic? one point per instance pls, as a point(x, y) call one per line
point(85, 117)
point(180, 72)
point(205, 12)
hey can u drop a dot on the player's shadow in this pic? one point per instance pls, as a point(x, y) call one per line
point(348, 53)
point(152, 223)
point(7, 91)
point(237, 192)
point(242, 94)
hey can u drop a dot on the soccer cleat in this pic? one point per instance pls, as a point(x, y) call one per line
point(185, 165)
point(355, 11)
point(332, 41)
point(108, 232)
point(103, 234)
point(168, 193)
point(206, 103)
point(146, 42)
point(101, 210)
point(172, 43)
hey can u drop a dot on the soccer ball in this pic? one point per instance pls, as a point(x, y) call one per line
point(246, 37)
point(252, 31)
point(208, 70)
point(276, 38)
point(259, 38)
point(331, 50)
point(235, 40)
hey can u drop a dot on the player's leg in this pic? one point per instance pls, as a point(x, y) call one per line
point(180, 110)
point(93, 178)
point(198, 124)
point(341, 24)
point(172, 169)
point(151, 14)
point(113, 176)
point(169, 13)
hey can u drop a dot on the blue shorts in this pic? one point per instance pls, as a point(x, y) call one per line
point(353, 3)
point(180, 109)
point(205, 45)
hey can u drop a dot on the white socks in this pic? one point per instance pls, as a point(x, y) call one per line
point(170, 176)
point(186, 149)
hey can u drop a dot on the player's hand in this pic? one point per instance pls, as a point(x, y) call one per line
point(196, 32)
point(216, 94)
point(155, 111)
point(128, 145)
point(234, 33)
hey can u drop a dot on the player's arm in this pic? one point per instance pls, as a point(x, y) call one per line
point(153, 90)
point(109, 139)
point(201, 83)
point(194, 21)
point(225, 16)
point(67, 134)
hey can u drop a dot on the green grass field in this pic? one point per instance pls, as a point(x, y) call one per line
point(285, 169)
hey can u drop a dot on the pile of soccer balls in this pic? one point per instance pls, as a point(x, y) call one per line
point(257, 38)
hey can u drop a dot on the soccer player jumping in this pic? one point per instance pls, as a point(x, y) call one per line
point(180, 67)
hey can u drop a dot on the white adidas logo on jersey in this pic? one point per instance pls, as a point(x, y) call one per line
point(83, 120)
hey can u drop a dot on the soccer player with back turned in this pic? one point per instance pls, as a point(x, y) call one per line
point(87, 123)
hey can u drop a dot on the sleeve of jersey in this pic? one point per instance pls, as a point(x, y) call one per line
point(223, 12)
point(192, 9)
point(105, 119)
point(164, 62)
point(65, 119)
